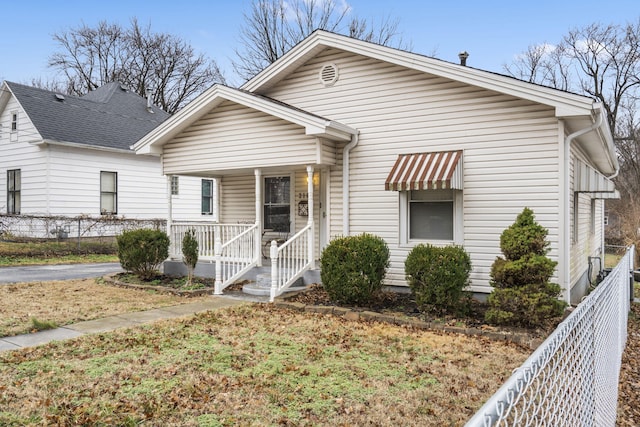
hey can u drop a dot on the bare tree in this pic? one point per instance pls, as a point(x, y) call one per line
point(272, 27)
point(601, 61)
point(135, 56)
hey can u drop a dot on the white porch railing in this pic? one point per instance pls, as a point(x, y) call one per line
point(232, 247)
point(205, 234)
point(572, 378)
point(235, 257)
point(290, 260)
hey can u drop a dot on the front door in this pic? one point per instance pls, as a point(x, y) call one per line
point(277, 204)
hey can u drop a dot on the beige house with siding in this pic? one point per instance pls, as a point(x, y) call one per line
point(341, 136)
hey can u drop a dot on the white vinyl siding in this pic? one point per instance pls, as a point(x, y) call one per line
point(187, 204)
point(20, 154)
point(586, 225)
point(142, 190)
point(510, 148)
point(237, 137)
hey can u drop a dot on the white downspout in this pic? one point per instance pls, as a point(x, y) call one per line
point(566, 246)
point(345, 182)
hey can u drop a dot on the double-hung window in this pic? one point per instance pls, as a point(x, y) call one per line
point(207, 197)
point(277, 203)
point(108, 193)
point(431, 216)
point(14, 121)
point(13, 134)
point(13, 191)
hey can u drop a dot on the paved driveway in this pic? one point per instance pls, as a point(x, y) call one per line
point(41, 273)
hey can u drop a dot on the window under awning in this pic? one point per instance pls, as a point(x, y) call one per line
point(426, 171)
point(588, 180)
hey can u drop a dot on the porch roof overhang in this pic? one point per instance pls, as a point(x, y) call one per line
point(426, 171)
point(314, 125)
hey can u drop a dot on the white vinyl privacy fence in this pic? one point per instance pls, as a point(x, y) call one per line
point(572, 378)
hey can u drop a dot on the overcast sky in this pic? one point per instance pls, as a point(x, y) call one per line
point(492, 31)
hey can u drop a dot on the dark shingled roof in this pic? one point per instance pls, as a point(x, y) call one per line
point(111, 116)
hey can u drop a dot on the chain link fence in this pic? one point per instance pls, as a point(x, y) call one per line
point(66, 227)
point(572, 378)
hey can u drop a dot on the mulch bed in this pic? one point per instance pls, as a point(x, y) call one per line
point(394, 305)
point(162, 283)
point(405, 303)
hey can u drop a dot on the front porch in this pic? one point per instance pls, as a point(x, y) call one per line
point(243, 249)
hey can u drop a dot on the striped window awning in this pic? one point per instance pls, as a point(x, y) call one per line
point(589, 180)
point(426, 171)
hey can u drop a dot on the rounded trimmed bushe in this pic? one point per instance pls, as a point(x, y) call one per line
point(353, 268)
point(438, 276)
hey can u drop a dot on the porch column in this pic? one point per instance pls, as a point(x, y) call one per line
point(312, 244)
point(172, 247)
point(258, 242)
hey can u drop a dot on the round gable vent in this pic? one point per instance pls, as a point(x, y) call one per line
point(328, 74)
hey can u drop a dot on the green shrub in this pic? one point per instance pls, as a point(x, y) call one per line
point(142, 251)
point(190, 253)
point(354, 267)
point(522, 293)
point(437, 277)
point(524, 236)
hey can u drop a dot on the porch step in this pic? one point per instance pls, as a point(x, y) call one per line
point(262, 285)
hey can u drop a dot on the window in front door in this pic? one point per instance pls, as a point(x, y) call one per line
point(277, 203)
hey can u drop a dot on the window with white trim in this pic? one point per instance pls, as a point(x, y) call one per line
point(207, 197)
point(108, 193)
point(175, 185)
point(14, 121)
point(13, 127)
point(14, 185)
point(431, 216)
point(277, 203)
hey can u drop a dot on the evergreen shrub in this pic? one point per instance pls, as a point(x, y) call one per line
point(142, 251)
point(353, 268)
point(190, 253)
point(522, 294)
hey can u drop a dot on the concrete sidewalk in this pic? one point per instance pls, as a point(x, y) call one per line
point(114, 322)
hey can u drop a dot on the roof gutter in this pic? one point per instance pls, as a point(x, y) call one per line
point(566, 234)
point(85, 146)
point(355, 138)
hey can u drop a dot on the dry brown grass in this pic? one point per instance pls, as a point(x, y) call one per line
point(65, 302)
point(255, 365)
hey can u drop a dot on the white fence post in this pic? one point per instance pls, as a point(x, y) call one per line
point(217, 253)
point(273, 252)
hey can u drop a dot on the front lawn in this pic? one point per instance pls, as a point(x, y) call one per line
point(63, 302)
point(255, 365)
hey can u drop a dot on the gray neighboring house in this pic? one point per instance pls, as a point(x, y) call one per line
point(67, 155)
